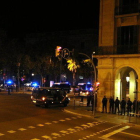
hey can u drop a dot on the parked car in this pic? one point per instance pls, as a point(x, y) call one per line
point(47, 96)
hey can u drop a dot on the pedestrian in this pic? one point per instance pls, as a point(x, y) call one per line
point(129, 105)
point(117, 103)
point(111, 106)
point(89, 99)
point(135, 106)
point(123, 105)
point(104, 103)
point(138, 107)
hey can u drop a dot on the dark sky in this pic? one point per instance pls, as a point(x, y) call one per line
point(20, 17)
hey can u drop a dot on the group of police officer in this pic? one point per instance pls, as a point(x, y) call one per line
point(120, 107)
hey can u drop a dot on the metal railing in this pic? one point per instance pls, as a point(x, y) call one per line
point(127, 9)
point(120, 49)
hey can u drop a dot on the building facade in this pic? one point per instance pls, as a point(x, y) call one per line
point(118, 53)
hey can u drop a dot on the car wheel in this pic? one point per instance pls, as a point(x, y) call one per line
point(65, 104)
point(47, 105)
point(37, 105)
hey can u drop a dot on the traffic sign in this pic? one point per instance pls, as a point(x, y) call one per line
point(65, 53)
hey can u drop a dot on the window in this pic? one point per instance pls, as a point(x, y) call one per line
point(127, 7)
point(127, 39)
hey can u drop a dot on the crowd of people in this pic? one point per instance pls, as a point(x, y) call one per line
point(121, 107)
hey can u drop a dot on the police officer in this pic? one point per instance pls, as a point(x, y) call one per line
point(89, 98)
point(135, 106)
point(111, 106)
point(123, 104)
point(104, 102)
point(117, 102)
point(129, 105)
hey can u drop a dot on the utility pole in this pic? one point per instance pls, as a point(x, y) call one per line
point(95, 80)
point(18, 65)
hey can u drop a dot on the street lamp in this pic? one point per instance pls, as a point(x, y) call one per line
point(95, 80)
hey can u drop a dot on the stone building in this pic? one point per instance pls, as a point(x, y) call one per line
point(118, 53)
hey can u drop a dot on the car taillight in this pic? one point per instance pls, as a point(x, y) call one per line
point(43, 98)
point(87, 93)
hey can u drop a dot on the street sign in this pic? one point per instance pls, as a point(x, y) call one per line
point(65, 53)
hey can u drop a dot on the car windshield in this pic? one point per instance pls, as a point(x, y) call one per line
point(50, 92)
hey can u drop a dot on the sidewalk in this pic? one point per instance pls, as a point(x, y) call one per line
point(114, 118)
point(14, 92)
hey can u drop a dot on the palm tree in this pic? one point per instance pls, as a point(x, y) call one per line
point(72, 66)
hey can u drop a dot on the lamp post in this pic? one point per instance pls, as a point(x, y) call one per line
point(18, 65)
point(95, 80)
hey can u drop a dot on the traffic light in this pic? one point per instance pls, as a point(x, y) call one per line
point(58, 50)
point(97, 86)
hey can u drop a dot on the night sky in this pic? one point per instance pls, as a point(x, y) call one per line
point(20, 18)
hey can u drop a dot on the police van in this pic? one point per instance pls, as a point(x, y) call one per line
point(47, 96)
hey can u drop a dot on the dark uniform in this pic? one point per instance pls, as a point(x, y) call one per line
point(89, 99)
point(111, 106)
point(104, 102)
point(117, 102)
point(129, 105)
point(135, 106)
point(123, 105)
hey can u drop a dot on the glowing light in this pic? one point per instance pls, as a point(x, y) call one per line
point(43, 98)
point(127, 78)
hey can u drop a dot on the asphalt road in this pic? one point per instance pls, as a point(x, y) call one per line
point(21, 120)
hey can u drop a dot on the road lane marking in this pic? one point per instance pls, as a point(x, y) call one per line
point(22, 129)
point(11, 131)
point(77, 113)
point(64, 132)
point(79, 116)
point(40, 125)
point(47, 137)
point(130, 134)
point(48, 123)
point(31, 127)
point(56, 134)
point(1, 134)
point(73, 117)
point(35, 139)
point(68, 119)
point(55, 121)
point(114, 132)
point(62, 120)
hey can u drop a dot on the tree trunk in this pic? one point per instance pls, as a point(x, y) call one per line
point(74, 79)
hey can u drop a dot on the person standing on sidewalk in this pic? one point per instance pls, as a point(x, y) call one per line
point(123, 104)
point(104, 102)
point(135, 106)
point(111, 106)
point(117, 103)
point(129, 105)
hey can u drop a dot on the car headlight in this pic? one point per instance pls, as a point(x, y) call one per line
point(32, 97)
point(87, 92)
point(43, 98)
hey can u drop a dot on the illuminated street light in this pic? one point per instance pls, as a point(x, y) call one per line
point(127, 78)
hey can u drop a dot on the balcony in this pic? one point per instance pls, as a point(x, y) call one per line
point(115, 50)
point(127, 9)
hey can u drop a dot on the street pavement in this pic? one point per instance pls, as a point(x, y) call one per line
point(22, 120)
point(81, 109)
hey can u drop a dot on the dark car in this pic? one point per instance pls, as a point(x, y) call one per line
point(49, 96)
point(63, 85)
